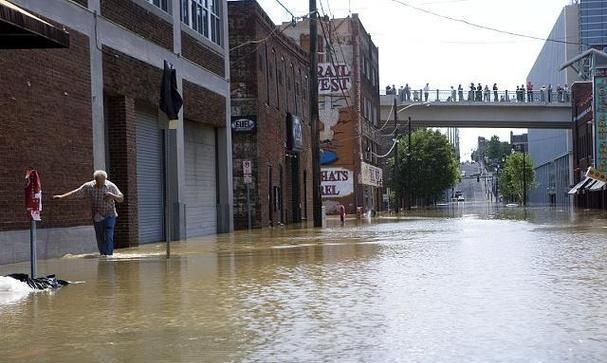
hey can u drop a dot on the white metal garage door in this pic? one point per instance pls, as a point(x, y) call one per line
point(150, 178)
point(200, 179)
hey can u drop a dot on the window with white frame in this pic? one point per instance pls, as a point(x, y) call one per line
point(204, 16)
point(162, 4)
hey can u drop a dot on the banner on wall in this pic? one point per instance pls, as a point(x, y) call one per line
point(371, 175)
point(336, 182)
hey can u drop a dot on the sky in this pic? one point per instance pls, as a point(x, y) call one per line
point(416, 47)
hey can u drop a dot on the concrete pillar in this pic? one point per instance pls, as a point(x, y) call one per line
point(100, 149)
point(225, 211)
point(176, 167)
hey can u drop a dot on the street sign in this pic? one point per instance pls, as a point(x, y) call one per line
point(244, 124)
point(246, 167)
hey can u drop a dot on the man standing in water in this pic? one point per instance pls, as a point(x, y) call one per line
point(103, 195)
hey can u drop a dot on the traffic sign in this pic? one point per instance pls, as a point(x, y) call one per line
point(246, 167)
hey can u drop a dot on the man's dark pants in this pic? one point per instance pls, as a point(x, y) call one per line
point(104, 232)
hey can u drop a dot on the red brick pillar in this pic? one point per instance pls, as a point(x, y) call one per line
point(121, 137)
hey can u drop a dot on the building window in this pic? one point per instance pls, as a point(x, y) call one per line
point(204, 16)
point(162, 4)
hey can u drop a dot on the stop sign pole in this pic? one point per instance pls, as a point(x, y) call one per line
point(33, 205)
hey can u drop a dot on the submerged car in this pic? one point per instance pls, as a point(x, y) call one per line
point(461, 198)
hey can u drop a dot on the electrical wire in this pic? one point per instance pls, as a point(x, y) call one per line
point(286, 9)
point(480, 26)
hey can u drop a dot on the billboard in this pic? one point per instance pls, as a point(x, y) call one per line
point(336, 182)
point(371, 175)
point(333, 78)
point(600, 119)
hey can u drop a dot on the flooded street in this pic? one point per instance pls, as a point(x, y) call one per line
point(458, 284)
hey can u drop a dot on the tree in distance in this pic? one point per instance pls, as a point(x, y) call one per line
point(511, 178)
point(427, 168)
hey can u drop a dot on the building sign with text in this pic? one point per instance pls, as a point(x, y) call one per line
point(336, 182)
point(294, 133)
point(244, 124)
point(333, 78)
point(371, 175)
point(600, 118)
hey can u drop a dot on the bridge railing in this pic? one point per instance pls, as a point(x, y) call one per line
point(468, 96)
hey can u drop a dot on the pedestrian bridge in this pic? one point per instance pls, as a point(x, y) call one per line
point(538, 111)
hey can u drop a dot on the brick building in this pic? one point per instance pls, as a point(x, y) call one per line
point(587, 194)
point(270, 120)
point(94, 105)
point(348, 88)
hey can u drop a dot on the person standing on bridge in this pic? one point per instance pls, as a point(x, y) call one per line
point(495, 92)
point(565, 93)
point(460, 92)
point(407, 92)
point(479, 93)
point(529, 92)
point(426, 92)
point(543, 94)
point(453, 94)
point(523, 92)
point(487, 94)
point(520, 94)
point(549, 92)
point(471, 92)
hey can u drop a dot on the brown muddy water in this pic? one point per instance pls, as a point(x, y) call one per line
point(444, 285)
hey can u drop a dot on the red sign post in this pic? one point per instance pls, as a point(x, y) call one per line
point(33, 204)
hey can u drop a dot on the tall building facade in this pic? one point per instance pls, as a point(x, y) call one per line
point(551, 150)
point(348, 75)
point(95, 105)
point(270, 121)
point(593, 23)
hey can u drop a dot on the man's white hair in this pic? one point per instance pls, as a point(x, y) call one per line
point(99, 173)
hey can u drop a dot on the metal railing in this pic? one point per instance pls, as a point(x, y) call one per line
point(468, 96)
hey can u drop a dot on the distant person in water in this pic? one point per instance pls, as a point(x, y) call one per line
point(342, 213)
point(103, 195)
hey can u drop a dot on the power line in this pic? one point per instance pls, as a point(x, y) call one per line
point(480, 26)
point(286, 9)
point(260, 42)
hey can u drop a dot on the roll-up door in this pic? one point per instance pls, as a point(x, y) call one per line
point(200, 178)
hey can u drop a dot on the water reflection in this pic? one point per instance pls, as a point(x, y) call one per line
point(465, 283)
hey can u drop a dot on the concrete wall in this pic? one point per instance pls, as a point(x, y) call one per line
point(551, 147)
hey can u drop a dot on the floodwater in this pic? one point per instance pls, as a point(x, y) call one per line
point(458, 284)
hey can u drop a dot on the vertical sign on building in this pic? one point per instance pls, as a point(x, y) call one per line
point(600, 118)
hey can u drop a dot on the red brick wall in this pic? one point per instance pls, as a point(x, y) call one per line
point(45, 123)
point(198, 53)
point(202, 105)
point(128, 76)
point(583, 141)
point(122, 136)
point(250, 75)
point(139, 20)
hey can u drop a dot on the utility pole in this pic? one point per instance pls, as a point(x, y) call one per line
point(524, 178)
point(410, 191)
point(396, 161)
point(316, 196)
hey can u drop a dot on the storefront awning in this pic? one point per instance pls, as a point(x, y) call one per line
point(20, 29)
point(580, 185)
point(598, 185)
